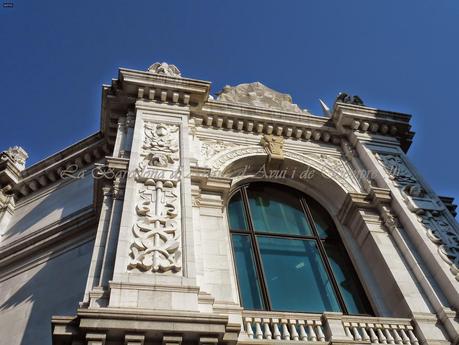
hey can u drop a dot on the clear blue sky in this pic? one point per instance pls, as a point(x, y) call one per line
point(397, 55)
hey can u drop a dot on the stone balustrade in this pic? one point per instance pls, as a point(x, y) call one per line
point(258, 325)
point(283, 326)
point(380, 330)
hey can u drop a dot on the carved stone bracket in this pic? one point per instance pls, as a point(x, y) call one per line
point(430, 212)
point(156, 233)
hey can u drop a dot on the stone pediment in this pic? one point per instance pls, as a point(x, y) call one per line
point(258, 95)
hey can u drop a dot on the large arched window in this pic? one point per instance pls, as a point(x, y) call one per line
point(288, 253)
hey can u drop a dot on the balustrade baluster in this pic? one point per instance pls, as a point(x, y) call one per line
point(405, 338)
point(311, 334)
point(303, 335)
point(267, 331)
point(373, 336)
point(413, 339)
point(363, 331)
point(249, 330)
point(389, 337)
point(258, 332)
point(276, 332)
point(347, 330)
point(382, 338)
point(319, 331)
point(397, 338)
point(285, 332)
point(355, 331)
point(293, 331)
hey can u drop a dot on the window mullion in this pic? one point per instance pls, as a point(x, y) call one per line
point(256, 250)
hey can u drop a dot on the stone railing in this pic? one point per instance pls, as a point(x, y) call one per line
point(380, 330)
point(283, 326)
point(264, 325)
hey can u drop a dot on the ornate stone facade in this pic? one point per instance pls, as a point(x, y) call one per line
point(431, 213)
point(123, 238)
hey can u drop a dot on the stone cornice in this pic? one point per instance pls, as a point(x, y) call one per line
point(356, 118)
point(162, 87)
point(48, 171)
point(243, 118)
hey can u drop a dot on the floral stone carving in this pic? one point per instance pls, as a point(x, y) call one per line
point(430, 212)
point(156, 233)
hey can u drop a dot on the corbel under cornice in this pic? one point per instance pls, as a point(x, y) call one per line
point(249, 119)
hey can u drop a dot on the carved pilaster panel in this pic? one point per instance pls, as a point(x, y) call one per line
point(430, 212)
point(156, 245)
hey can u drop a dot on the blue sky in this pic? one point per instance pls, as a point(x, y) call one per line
point(397, 55)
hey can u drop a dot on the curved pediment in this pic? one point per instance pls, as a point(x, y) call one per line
point(258, 95)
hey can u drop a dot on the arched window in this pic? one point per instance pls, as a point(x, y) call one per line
point(289, 255)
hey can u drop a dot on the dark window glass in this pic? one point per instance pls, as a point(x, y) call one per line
point(351, 290)
point(249, 284)
point(322, 220)
point(289, 255)
point(236, 213)
point(277, 211)
point(295, 276)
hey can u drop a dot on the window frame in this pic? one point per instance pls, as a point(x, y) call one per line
point(315, 236)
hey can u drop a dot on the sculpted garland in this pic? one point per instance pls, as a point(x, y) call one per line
point(156, 233)
point(430, 212)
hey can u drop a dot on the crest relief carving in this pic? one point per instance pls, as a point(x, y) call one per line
point(429, 212)
point(274, 147)
point(156, 244)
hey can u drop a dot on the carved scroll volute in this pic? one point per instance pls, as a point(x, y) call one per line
point(156, 245)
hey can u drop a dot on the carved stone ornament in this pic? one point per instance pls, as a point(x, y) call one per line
point(156, 233)
point(16, 155)
point(164, 68)
point(258, 95)
point(274, 146)
point(345, 98)
point(327, 165)
point(430, 213)
point(210, 148)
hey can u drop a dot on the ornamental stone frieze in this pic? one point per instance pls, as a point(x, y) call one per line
point(156, 245)
point(333, 167)
point(429, 212)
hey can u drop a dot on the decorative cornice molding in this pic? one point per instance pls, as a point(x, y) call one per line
point(241, 118)
point(361, 119)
